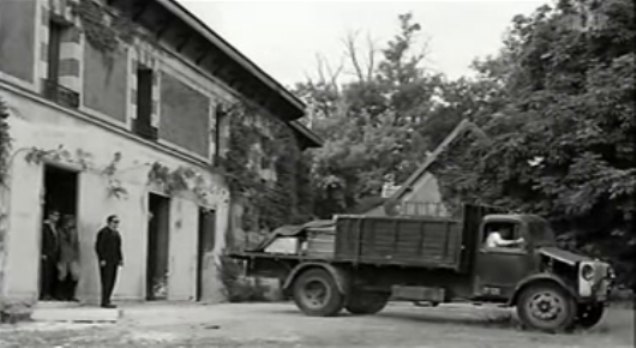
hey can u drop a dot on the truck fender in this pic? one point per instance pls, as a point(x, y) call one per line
point(340, 276)
point(537, 278)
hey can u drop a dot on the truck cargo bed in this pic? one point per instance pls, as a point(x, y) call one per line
point(408, 241)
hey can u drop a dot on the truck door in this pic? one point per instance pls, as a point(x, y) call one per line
point(498, 269)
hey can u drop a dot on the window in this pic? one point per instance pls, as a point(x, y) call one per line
point(51, 87)
point(143, 123)
point(53, 59)
point(501, 235)
point(218, 125)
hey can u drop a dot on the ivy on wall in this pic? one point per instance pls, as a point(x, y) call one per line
point(5, 147)
point(170, 181)
point(5, 141)
point(102, 30)
point(267, 204)
point(82, 158)
point(180, 179)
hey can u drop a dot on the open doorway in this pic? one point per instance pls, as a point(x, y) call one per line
point(158, 241)
point(60, 207)
point(207, 221)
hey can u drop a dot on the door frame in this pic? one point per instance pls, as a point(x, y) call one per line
point(71, 168)
point(200, 248)
point(483, 288)
point(148, 293)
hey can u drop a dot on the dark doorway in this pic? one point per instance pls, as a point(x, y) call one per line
point(158, 240)
point(207, 221)
point(60, 195)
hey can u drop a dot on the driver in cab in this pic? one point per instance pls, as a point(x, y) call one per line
point(502, 238)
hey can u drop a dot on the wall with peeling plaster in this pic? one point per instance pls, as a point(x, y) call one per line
point(185, 115)
point(105, 82)
point(17, 38)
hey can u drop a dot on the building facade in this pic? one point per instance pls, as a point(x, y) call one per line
point(117, 107)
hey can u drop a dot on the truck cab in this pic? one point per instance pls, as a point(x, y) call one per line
point(534, 274)
point(499, 268)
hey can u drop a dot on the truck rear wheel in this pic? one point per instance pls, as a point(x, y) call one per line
point(366, 302)
point(590, 315)
point(546, 307)
point(316, 293)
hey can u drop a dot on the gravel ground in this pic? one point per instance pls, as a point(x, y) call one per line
point(282, 325)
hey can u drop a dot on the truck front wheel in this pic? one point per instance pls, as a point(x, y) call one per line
point(590, 315)
point(366, 302)
point(546, 307)
point(316, 293)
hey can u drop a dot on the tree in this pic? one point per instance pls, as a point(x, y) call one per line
point(369, 124)
point(562, 144)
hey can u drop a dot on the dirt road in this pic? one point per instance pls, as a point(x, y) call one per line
point(281, 325)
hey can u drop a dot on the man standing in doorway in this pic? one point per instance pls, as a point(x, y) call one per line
point(49, 255)
point(109, 256)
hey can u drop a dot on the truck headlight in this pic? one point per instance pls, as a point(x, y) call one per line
point(587, 272)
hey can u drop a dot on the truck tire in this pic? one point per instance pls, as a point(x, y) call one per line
point(366, 302)
point(546, 307)
point(316, 293)
point(590, 315)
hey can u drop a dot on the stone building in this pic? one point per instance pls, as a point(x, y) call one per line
point(116, 107)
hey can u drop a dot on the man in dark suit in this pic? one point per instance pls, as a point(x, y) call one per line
point(109, 256)
point(49, 256)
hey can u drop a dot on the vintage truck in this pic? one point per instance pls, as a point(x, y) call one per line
point(361, 262)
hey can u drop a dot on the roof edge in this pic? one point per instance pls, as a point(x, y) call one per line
point(313, 138)
point(197, 24)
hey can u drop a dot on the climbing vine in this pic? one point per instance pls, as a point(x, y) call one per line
point(170, 181)
point(259, 143)
point(102, 29)
point(180, 179)
point(5, 147)
point(115, 188)
point(5, 141)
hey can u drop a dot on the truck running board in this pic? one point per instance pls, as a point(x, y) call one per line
point(417, 293)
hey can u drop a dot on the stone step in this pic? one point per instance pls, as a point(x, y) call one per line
point(77, 314)
point(57, 304)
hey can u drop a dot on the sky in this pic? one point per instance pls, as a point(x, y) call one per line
point(284, 38)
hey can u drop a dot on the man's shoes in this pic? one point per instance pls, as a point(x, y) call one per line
point(108, 305)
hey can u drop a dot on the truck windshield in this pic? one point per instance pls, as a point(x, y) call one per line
point(541, 233)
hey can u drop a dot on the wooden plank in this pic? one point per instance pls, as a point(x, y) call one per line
point(390, 246)
point(414, 238)
point(414, 248)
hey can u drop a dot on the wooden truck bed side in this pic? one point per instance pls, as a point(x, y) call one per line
point(408, 241)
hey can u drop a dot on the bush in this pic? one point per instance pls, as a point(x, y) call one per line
point(238, 288)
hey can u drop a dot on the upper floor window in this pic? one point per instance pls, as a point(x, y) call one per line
point(219, 123)
point(143, 122)
point(59, 31)
point(53, 57)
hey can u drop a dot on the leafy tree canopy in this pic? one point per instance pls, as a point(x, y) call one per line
point(557, 103)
